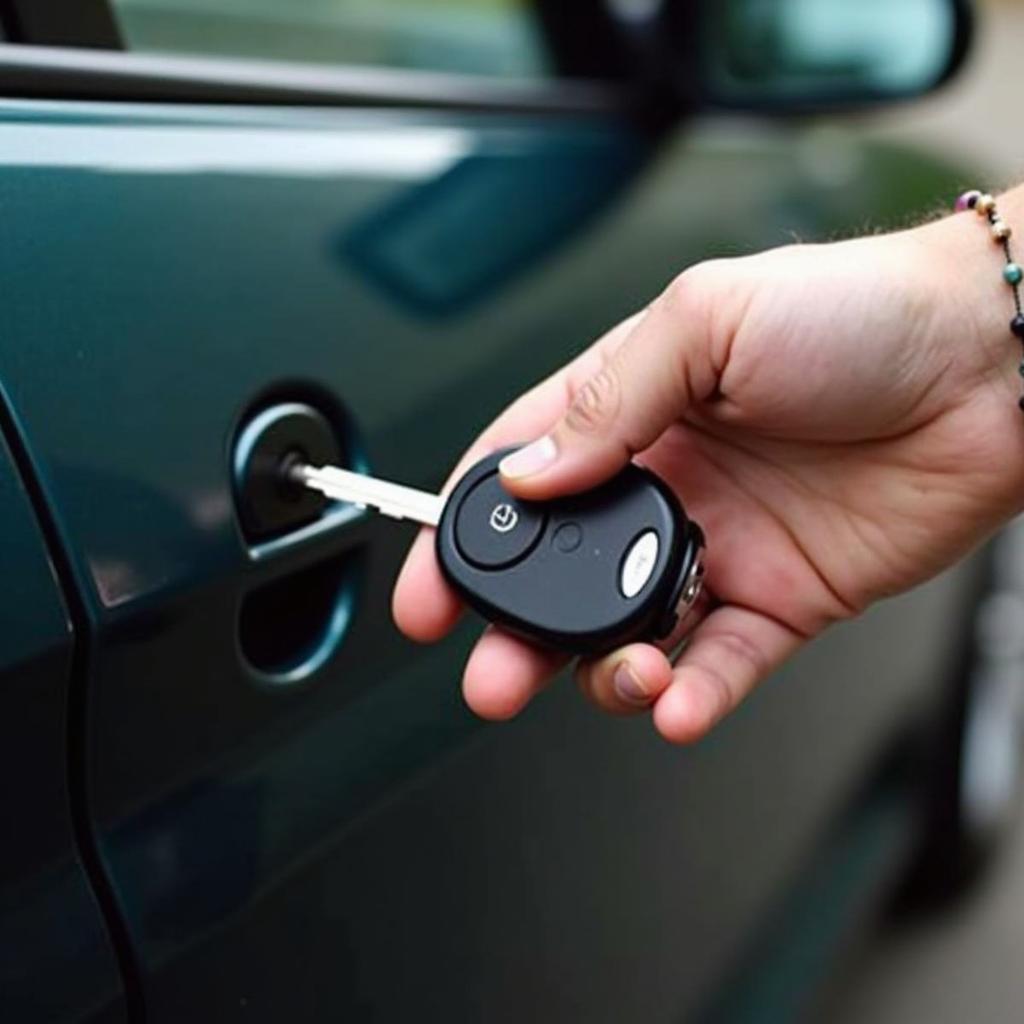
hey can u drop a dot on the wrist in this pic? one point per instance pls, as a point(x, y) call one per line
point(963, 264)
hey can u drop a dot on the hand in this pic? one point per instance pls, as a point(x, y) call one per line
point(841, 420)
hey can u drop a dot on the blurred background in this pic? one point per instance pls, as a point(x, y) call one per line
point(976, 118)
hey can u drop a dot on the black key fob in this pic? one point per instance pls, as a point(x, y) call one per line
point(585, 573)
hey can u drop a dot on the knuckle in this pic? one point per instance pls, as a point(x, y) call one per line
point(727, 666)
point(687, 293)
point(739, 653)
point(596, 403)
point(689, 301)
point(718, 686)
point(679, 293)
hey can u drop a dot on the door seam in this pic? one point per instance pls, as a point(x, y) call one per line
point(77, 717)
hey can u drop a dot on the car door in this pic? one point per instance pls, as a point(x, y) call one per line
point(293, 816)
point(50, 920)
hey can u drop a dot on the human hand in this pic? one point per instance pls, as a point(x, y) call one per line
point(841, 420)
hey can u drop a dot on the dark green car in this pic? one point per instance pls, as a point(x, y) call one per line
point(231, 790)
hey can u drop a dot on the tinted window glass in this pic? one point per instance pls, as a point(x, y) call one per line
point(486, 37)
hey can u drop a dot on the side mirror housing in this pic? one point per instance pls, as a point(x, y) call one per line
point(765, 56)
point(795, 55)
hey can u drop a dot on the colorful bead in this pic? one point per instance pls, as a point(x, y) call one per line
point(1001, 231)
point(984, 205)
point(1017, 326)
point(967, 200)
point(1012, 273)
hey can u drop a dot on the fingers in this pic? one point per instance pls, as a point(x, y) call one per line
point(728, 655)
point(424, 607)
point(629, 680)
point(665, 365)
point(503, 674)
point(626, 682)
point(541, 406)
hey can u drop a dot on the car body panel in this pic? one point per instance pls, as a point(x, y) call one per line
point(354, 842)
point(50, 922)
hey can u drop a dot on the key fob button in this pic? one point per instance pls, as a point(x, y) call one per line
point(493, 530)
point(567, 538)
point(638, 565)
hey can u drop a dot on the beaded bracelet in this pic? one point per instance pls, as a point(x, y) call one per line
point(985, 206)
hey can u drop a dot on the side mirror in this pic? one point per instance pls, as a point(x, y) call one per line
point(765, 56)
point(795, 55)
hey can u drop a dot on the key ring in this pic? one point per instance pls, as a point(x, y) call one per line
point(692, 611)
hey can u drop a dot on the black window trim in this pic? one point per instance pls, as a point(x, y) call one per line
point(73, 49)
point(45, 72)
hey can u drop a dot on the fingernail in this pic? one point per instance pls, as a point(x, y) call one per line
point(531, 459)
point(627, 685)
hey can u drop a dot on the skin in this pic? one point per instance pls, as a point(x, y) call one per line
point(841, 419)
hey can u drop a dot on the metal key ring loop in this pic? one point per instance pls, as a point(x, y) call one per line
point(692, 613)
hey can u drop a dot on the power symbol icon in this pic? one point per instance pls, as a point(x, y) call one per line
point(504, 518)
point(491, 529)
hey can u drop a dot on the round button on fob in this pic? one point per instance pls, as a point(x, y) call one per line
point(638, 565)
point(493, 530)
point(567, 538)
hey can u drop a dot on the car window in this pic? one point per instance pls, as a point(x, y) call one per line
point(485, 37)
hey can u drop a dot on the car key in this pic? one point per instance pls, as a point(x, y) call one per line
point(584, 574)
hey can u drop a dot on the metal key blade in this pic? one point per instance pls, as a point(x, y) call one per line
point(390, 499)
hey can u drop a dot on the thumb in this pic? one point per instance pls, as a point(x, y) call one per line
point(665, 365)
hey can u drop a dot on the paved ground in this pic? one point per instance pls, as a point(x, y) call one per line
point(966, 967)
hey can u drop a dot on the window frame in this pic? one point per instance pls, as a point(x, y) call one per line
point(74, 50)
